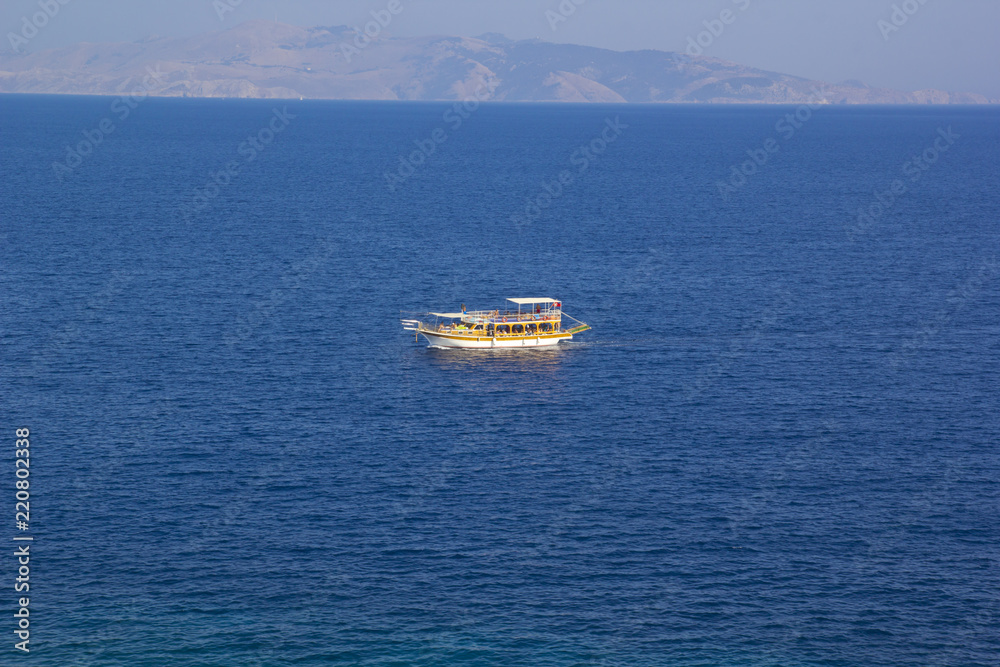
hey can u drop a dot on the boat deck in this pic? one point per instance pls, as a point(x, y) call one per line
point(541, 325)
point(497, 317)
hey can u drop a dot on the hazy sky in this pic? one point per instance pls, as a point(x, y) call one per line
point(945, 44)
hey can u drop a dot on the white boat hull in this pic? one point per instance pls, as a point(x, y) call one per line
point(489, 343)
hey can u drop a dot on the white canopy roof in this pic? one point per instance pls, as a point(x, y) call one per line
point(453, 316)
point(523, 302)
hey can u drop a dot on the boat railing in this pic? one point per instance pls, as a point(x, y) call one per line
point(511, 318)
point(486, 318)
point(480, 333)
point(492, 323)
point(493, 316)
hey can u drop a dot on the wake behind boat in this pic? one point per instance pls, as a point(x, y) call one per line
point(535, 323)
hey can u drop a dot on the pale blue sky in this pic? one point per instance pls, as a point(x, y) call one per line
point(945, 44)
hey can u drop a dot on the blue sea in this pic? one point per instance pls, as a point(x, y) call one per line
point(778, 445)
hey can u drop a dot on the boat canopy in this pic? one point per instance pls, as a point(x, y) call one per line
point(453, 316)
point(524, 302)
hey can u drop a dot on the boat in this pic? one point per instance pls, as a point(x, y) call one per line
point(535, 323)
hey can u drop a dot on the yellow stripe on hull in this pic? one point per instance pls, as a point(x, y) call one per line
point(443, 339)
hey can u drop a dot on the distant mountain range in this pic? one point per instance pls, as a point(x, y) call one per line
point(263, 59)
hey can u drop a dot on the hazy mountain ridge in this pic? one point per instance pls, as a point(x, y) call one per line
point(263, 59)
